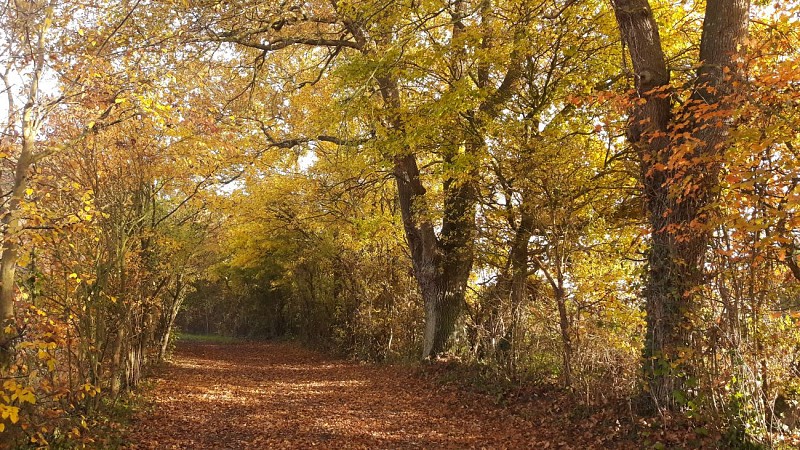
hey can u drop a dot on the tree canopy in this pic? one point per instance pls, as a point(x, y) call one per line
point(600, 196)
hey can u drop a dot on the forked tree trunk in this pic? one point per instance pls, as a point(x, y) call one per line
point(678, 215)
point(441, 265)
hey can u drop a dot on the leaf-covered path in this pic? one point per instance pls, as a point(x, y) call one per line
point(276, 395)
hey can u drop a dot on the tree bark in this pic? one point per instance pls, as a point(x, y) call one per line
point(679, 161)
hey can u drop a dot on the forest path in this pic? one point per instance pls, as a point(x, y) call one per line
point(277, 395)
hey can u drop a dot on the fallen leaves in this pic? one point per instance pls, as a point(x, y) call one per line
point(278, 395)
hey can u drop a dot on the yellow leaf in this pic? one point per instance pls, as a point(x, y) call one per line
point(10, 412)
point(81, 32)
point(24, 260)
point(27, 396)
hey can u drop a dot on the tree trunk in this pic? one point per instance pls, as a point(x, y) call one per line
point(117, 361)
point(11, 229)
point(171, 315)
point(679, 178)
point(513, 281)
point(566, 337)
point(442, 309)
point(441, 266)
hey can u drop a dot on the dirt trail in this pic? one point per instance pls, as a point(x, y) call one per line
point(275, 395)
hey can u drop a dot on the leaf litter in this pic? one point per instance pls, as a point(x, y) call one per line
point(258, 395)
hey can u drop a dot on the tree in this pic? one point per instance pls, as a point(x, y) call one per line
point(49, 65)
point(471, 74)
point(26, 26)
point(679, 152)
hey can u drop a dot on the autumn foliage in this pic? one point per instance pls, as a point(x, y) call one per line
point(596, 197)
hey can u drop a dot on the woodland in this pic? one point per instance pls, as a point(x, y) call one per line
point(594, 198)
